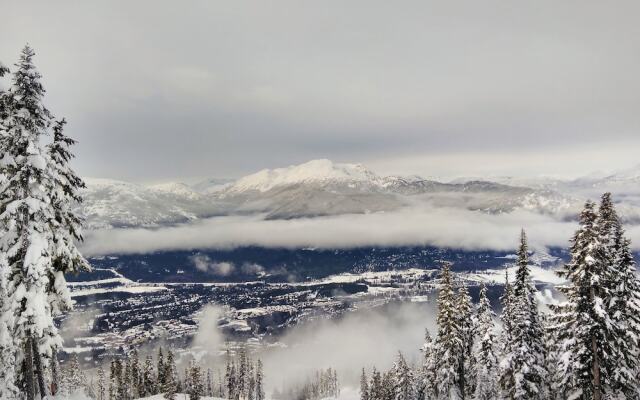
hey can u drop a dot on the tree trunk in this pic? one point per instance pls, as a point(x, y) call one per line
point(29, 381)
point(39, 370)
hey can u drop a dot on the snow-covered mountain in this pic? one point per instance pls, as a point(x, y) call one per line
point(313, 189)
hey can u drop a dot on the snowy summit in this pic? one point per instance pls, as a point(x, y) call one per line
point(314, 171)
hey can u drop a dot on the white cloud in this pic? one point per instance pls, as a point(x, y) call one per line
point(440, 227)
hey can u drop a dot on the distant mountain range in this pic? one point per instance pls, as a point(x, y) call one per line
point(323, 188)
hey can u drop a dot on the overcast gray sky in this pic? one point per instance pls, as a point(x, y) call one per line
point(157, 90)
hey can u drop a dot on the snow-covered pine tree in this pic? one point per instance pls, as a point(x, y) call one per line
point(161, 372)
point(66, 223)
point(506, 377)
point(221, 391)
point(528, 347)
point(114, 379)
point(25, 216)
point(584, 326)
point(209, 385)
point(259, 381)
point(403, 379)
point(170, 386)
point(101, 390)
point(187, 379)
point(623, 303)
point(387, 386)
point(448, 344)
point(134, 373)
point(242, 373)
point(466, 326)
point(485, 352)
point(364, 386)
point(148, 378)
point(196, 390)
point(375, 387)
point(251, 384)
point(75, 378)
point(428, 372)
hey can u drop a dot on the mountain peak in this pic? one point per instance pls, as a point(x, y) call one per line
point(312, 171)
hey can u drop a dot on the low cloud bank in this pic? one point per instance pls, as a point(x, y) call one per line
point(440, 227)
point(362, 339)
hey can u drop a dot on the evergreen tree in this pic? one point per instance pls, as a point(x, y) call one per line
point(196, 389)
point(101, 389)
point(148, 379)
point(114, 379)
point(403, 380)
point(259, 381)
point(527, 348)
point(487, 361)
point(466, 364)
point(251, 384)
point(209, 388)
point(375, 388)
point(623, 301)
point(134, 374)
point(170, 386)
point(25, 219)
point(66, 223)
point(428, 384)
point(161, 376)
point(506, 370)
point(584, 326)
point(388, 386)
point(364, 386)
point(448, 346)
point(75, 378)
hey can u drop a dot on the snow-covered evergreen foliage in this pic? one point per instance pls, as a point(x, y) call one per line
point(448, 344)
point(485, 351)
point(527, 350)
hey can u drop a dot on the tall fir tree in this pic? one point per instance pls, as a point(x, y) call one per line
point(528, 347)
point(623, 301)
point(66, 223)
point(448, 345)
point(25, 216)
point(170, 385)
point(403, 380)
point(161, 371)
point(466, 325)
point(506, 378)
point(101, 391)
point(259, 381)
point(364, 386)
point(485, 351)
point(584, 327)
point(148, 379)
point(428, 383)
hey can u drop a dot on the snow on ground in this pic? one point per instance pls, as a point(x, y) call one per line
point(497, 276)
point(124, 285)
point(377, 276)
point(121, 289)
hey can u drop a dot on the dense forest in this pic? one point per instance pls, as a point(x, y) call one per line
point(585, 347)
